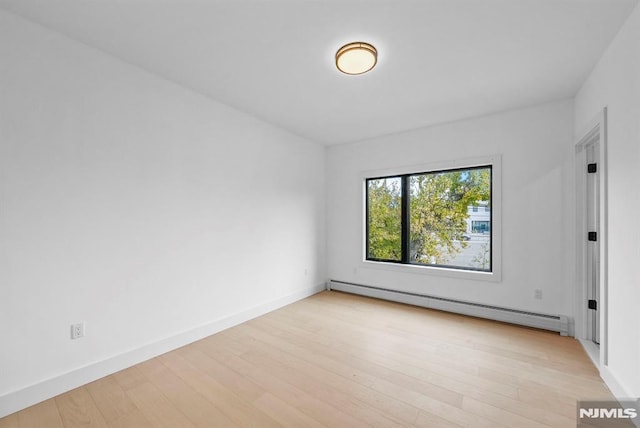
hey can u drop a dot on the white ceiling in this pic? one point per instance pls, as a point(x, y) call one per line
point(439, 60)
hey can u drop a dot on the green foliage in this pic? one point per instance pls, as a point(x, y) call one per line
point(385, 223)
point(438, 214)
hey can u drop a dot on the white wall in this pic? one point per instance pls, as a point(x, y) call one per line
point(615, 84)
point(537, 228)
point(136, 206)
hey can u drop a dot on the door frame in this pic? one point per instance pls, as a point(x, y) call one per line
point(597, 129)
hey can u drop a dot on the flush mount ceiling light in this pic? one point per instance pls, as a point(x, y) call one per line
point(356, 58)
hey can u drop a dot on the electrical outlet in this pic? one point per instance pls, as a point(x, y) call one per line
point(537, 294)
point(77, 330)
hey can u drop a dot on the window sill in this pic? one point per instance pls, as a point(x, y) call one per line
point(435, 271)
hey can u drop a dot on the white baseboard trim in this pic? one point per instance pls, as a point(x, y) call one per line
point(619, 391)
point(36, 393)
point(592, 350)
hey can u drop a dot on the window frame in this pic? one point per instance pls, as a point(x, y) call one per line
point(403, 208)
point(495, 274)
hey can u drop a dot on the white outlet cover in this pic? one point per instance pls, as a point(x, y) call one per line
point(77, 330)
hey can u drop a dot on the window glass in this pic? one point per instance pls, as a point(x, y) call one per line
point(439, 218)
point(384, 220)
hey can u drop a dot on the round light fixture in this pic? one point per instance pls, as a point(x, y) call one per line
point(356, 58)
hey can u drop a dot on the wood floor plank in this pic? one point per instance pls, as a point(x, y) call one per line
point(359, 410)
point(379, 359)
point(156, 408)
point(429, 420)
point(195, 407)
point(345, 373)
point(135, 419)
point(110, 398)
point(343, 360)
point(499, 415)
point(404, 375)
point(10, 421)
point(309, 404)
point(235, 382)
point(77, 409)
point(44, 414)
point(130, 378)
point(235, 408)
point(474, 357)
point(284, 413)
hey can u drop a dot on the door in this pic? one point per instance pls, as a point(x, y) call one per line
point(592, 273)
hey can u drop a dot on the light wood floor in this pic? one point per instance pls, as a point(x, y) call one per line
point(339, 360)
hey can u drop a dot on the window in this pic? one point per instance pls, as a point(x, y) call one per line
point(480, 226)
point(425, 219)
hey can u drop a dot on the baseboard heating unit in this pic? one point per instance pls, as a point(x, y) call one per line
point(559, 323)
